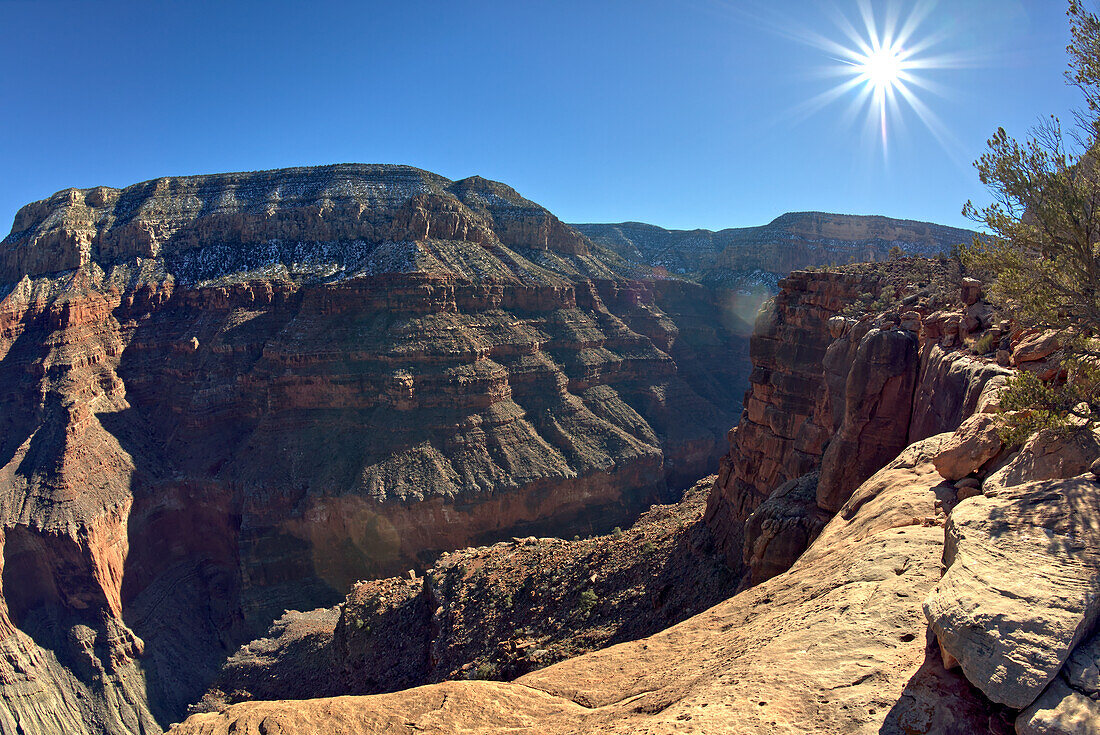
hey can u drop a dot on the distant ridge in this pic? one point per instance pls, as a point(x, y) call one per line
point(791, 241)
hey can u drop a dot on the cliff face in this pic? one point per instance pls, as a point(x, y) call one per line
point(339, 203)
point(837, 393)
point(222, 397)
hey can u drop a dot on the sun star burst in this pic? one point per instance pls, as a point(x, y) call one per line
point(882, 63)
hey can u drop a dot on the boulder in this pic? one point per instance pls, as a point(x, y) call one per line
point(933, 325)
point(1022, 586)
point(1069, 705)
point(781, 528)
point(1047, 455)
point(1035, 347)
point(974, 443)
point(977, 317)
point(1061, 710)
point(989, 400)
point(951, 324)
point(839, 326)
point(967, 487)
point(971, 290)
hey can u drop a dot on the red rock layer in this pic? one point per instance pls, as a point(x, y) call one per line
point(834, 394)
point(182, 464)
point(784, 427)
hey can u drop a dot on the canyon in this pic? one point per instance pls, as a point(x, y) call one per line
point(236, 407)
point(950, 589)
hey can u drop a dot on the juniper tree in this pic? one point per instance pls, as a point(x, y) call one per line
point(1042, 253)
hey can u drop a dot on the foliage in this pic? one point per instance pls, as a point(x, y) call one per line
point(1042, 254)
point(896, 253)
point(213, 700)
point(485, 671)
point(1064, 406)
point(983, 344)
point(1044, 222)
point(587, 601)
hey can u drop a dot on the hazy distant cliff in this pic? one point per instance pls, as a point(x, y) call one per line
point(789, 242)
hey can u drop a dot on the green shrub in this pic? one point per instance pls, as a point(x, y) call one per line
point(1031, 405)
point(587, 601)
point(983, 344)
point(485, 671)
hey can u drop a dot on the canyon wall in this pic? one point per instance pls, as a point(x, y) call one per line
point(223, 397)
point(952, 588)
point(849, 368)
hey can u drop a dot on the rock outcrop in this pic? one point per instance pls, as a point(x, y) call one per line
point(1022, 586)
point(1069, 706)
point(222, 397)
point(849, 367)
point(781, 433)
point(491, 612)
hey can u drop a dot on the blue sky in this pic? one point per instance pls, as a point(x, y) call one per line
point(684, 114)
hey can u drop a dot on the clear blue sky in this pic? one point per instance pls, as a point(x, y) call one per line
point(684, 114)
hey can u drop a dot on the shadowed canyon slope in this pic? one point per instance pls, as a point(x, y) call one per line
point(226, 396)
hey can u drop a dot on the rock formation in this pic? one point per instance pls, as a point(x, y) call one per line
point(835, 645)
point(865, 631)
point(497, 611)
point(222, 397)
point(848, 369)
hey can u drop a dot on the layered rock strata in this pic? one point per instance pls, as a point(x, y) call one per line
point(849, 368)
point(865, 631)
point(790, 242)
point(222, 397)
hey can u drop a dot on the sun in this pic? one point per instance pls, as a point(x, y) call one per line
point(882, 67)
